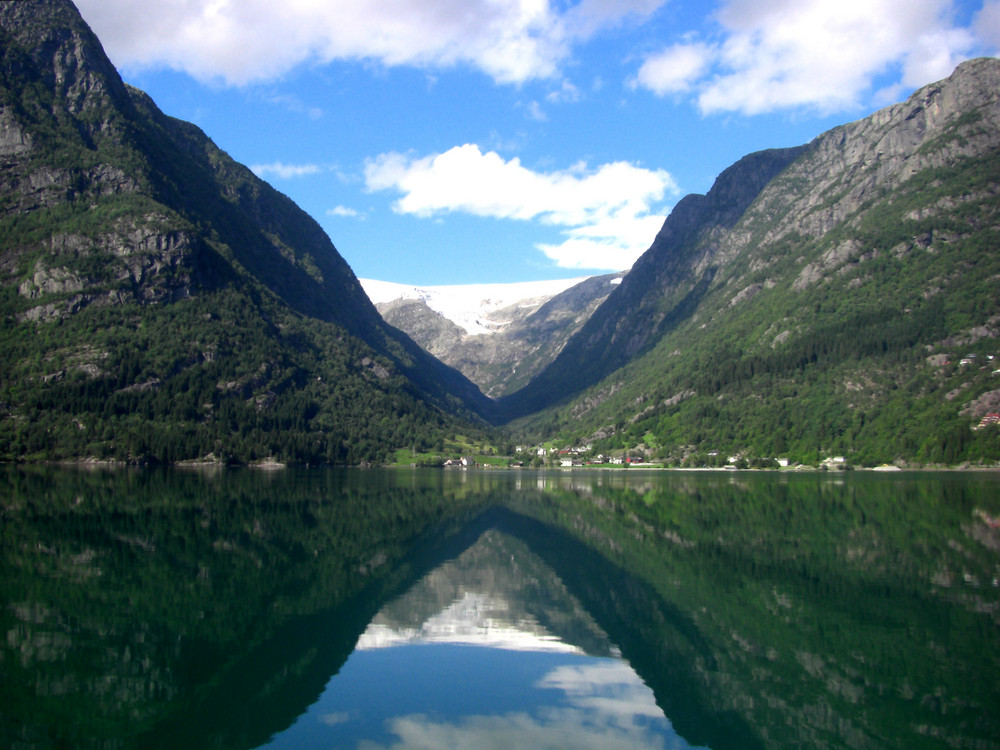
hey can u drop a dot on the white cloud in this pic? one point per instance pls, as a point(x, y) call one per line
point(558, 729)
point(589, 16)
point(675, 69)
point(935, 55)
point(567, 92)
point(611, 688)
point(239, 41)
point(597, 247)
point(343, 212)
point(821, 54)
point(284, 171)
point(535, 112)
point(609, 215)
point(603, 705)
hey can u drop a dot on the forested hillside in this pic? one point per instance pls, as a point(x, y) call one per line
point(159, 302)
point(834, 300)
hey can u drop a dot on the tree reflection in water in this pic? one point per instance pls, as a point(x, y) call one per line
point(161, 608)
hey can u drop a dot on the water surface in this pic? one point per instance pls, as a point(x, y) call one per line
point(378, 609)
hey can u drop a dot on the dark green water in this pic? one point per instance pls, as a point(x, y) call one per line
point(371, 609)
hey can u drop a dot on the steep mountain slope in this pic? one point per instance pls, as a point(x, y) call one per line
point(157, 300)
point(664, 286)
point(508, 343)
point(835, 298)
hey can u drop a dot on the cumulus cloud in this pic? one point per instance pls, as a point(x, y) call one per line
point(608, 215)
point(589, 16)
point(764, 55)
point(284, 171)
point(239, 41)
point(675, 69)
point(935, 54)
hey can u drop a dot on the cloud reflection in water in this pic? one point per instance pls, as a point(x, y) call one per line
point(488, 650)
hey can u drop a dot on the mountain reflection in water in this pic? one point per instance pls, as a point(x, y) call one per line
point(486, 650)
point(166, 609)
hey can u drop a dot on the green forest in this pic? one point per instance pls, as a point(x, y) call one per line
point(204, 378)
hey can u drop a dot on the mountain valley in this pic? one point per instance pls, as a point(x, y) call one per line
point(832, 299)
point(160, 303)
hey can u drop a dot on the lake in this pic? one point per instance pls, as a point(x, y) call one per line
point(168, 608)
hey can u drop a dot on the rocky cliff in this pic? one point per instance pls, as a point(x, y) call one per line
point(529, 333)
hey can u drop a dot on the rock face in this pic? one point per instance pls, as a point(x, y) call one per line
point(429, 328)
point(849, 167)
point(530, 334)
point(117, 219)
point(121, 188)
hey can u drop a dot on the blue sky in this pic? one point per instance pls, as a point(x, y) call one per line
point(485, 141)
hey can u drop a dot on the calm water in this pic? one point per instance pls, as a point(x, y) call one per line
point(430, 609)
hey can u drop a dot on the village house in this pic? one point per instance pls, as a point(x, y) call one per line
point(991, 418)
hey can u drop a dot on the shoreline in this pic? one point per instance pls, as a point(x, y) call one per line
point(272, 465)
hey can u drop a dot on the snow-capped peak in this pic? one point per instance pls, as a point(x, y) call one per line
point(471, 306)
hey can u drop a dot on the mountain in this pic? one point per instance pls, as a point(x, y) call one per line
point(475, 308)
point(158, 301)
point(662, 287)
point(838, 298)
point(498, 335)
